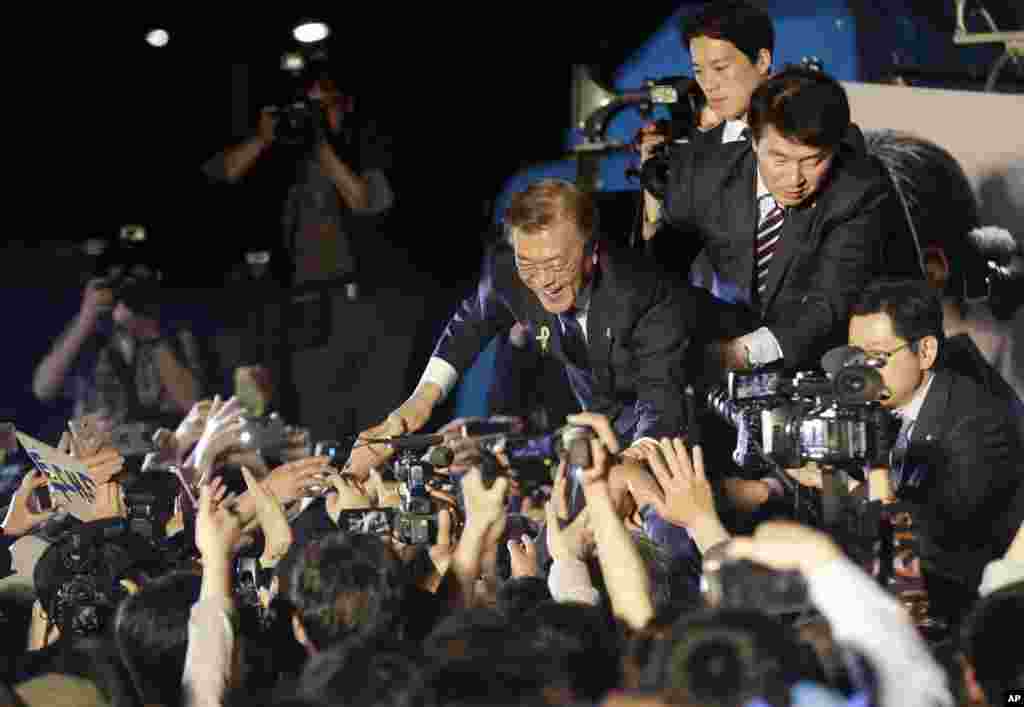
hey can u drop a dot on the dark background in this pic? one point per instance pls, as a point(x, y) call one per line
point(103, 130)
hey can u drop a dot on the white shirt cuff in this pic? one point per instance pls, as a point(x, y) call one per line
point(440, 373)
point(764, 347)
point(1000, 573)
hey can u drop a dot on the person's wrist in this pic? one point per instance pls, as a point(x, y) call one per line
point(707, 530)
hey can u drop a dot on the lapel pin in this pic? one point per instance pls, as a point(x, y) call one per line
point(543, 337)
point(608, 333)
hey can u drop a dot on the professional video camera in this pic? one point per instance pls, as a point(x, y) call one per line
point(835, 420)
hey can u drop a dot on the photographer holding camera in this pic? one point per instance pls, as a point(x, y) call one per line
point(120, 358)
point(958, 452)
point(328, 162)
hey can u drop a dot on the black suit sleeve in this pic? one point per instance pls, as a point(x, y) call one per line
point(477, 320)
point(815, 302)
point(660, 340)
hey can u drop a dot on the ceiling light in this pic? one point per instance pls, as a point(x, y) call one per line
point(310, 32)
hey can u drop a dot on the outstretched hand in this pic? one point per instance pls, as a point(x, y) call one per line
point(688, 495)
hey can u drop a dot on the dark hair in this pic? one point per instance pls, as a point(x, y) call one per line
point(580, 641)
point(746, 26)
point(346, 585)
point(375, 674)
point(468, 633)
point(939, 201)
point(912, 305)
point(520, 595)
point(547, 202)
point(98, 661)
point(151, 631)
point(728, 657)
point(985, 635)
point(803, 105)
point(15, 619)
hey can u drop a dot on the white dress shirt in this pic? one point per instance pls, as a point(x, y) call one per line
point(733, 131)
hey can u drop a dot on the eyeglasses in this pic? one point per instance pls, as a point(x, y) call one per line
point(557, 268)
point(881, 358)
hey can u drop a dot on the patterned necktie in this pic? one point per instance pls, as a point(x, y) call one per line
point(898, 454)
point(769, 229)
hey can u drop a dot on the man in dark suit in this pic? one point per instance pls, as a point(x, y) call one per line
point(958, 454)
point(611, 317)
point(793, 223)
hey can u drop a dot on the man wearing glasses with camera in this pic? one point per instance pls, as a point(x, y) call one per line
point(615, 321)
point(958, 453)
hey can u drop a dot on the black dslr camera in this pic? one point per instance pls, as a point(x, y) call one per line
point(301, 122)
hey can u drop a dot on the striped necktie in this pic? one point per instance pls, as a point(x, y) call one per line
point(769, 229)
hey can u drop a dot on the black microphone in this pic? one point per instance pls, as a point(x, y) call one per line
point(408, 441)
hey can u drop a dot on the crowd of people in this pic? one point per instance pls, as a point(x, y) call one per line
point(633, 556)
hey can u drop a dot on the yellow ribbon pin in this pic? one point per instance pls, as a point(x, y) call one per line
point(543, 337)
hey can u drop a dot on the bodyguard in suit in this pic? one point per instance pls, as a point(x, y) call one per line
point(611, 317)
point(793, 223)
point(958, 454)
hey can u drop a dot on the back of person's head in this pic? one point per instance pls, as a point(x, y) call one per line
point(347, 585)
point(987, 639)
point(518, 596)
point(98, 661)
point(913, 308)
point(803, 105)
point(470, 632)
point(357, 672)
point(579, 640)
point(745, 25)
point(151, 630)
point(939, 203)
point(726, 658)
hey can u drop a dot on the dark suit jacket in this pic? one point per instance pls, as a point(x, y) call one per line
point(638, 328)
point(849, 234)
point(963, 467)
